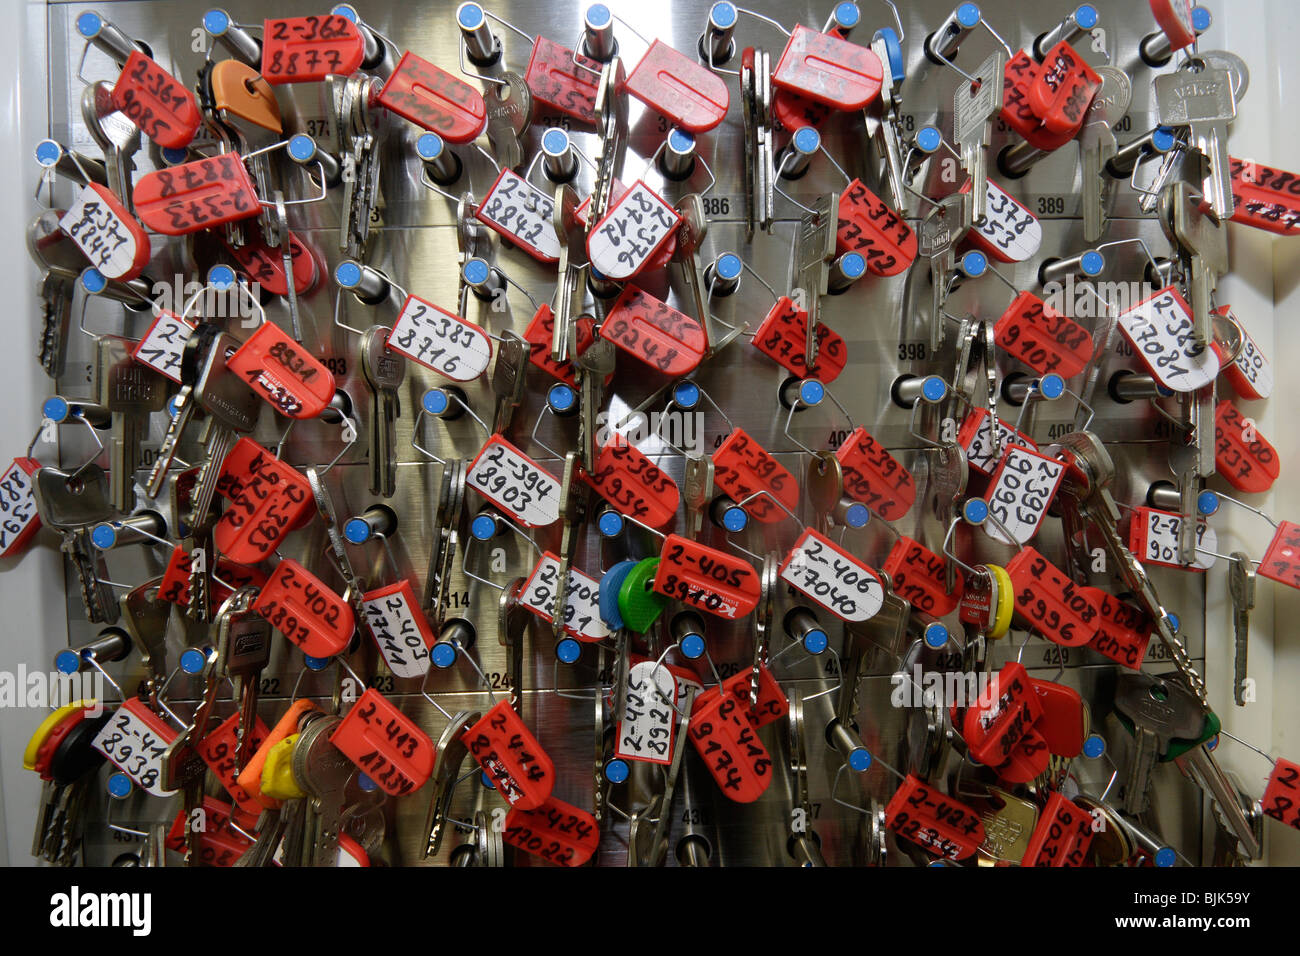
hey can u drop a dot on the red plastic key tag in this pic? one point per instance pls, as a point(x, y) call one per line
point(540, 335)
point(688, 94)
point(219, 749)
point(944, 827)
point(19, 520)
point(1160, 330)
point(163, 344)
point(1064, 725)
point(742, 467)
point(385, 744)
point(1153, 539)
point(724, 735)
point(135, 739)
point(705, 578)
point(1282, 559)
point(770, 705)
point(556, 831)
point(282, 373)
point(636, 225)
point(1251, 373)
point(1019, 75)
point(1174, 17)
point(269, 498)
point(582, 618)
point(521, 213)
point(511, 757)
point(107, 233)
point(1005, 711)
point(435, 100)
point(918, 577)
point(975, 437)
point(1049, 602)
point(1042, 338)
point(304, 610)
point(265, 266)
point(1263, 197)
point(199, 195)
point(399, 627)
point(654, 332)
point(647, 729)
point(1063, 89)
point(783, 336)
point(515, 483)
point(869, 227)
point(156, 102)
point(308, 49)
point(633, 484)
point(1062, 836)
point(1123, 630)
point(1281, 799)
point(439, 340)
point(218, 843)
point(1242, 456)
point(174, 587)
point(555, 81)
point(829, 70)
point(793, 111)
point(1009, 232)
point(1020, 493)
point(873, 476)
point(833, 578)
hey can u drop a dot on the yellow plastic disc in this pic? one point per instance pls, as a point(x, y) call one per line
point(47, 727)
point(277, 773)
point(1006, 600)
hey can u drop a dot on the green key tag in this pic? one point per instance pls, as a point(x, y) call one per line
point(640, 605)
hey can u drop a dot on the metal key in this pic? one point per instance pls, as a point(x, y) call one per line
point(756, 102)
point(509, 113)
point(324, 772)
point(814, 247)
point(975, 104)
point(1097, 145)
point(232, 408)
point(72, 504)
point(570, 289)
point(446, 536)
point(936, 236)
point(193, 359)
point(611, 123)
point(697, 486)
point(690, 237)
point(357, 126)
point(1241, 586)
point(1157, 721)
point(384, 371)
point(451, 752)
point(508, 378)
point(116, 135)
point(62, 262)
point(246, 651)
point(145, 616)
point(131, 392)
point(1201, 98)
point(1203, 247)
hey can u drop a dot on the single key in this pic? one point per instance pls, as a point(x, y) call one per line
point(61, 261)
point(1241, 586)
point(1202, 99)
point(145, 615)
point(116, 135)
point(814, 247)
point(232, 409)
point(384, 371)
point(324, 772)
point(451, 752)
point(131, 392)
point(509, 112)
point(1097, 145)
point(247, 650)
point(697, 487)
point(936, 236)
point(570, 290)
point(1203, 247)
point(357, 139)
point(446, 536)
point(974, 107)
point(246, 109)
point(193, 359)
point(508, 378)
point(1156, 721)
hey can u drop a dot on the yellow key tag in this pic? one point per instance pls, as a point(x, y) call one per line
point(46, 728)
point(277, 773)
point(1006, 601)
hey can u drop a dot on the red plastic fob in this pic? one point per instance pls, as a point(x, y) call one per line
point(633, 484)
point(582, 620)
point(783, 334)
point(943, 826)
point(434, 99)
point(974, 436)
point(199, 195)
point(1016, 112)
point(396, 622)
point(868, 226)
point(1160, 328)
point(918, 577)
point(1020, 492)
point(282, 373)
point(555, 81)
point(1153, 539)
point(1241, 455)
point(1263, 197)
point(1063, 89)
point(687, 93)
point(1282, 559)
point(1282, 795)
point(1062, 835)
point(218, 843)
point(1043, 338)
point(174, 586)
point(771, 703)
point(1009, 232)
point(19, 520)
point(705, 578)
point(156, 102)
point(1251, 374)
point(385, 744)
point(303, 609)
point(265, 265)
point(829, 70)
point(540, 335)
point(1174, 17)
point(793, 111)
point(1063, 725)
point(1028, 759)
point(308, 49)
point(873, 476)
point(558, 832)
point(1004, 712)
point(654, 332)
point(269, 498)
point(1123, 630)
point(634, 228)
point(219, 749)
point(111, 238)
point(1049, 602)
point(511, 757)
point(742, 467)
point(725, 737)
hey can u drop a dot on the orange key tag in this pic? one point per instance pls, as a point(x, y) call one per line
point(113, 241)
point(1017, 77)
point(1281, 799)
point(218, 750)
point(199, 195)
point(19, 520)
point(556, 831)
point(793, 111)
point(398, 625)
point(555, 81)
point(250, 778)
point(511, 757)
point(873, 476)
point(435, 100)
point(582, 618)
point(1062, 89)
point(942, 826)
point(308, 49)
point(441, 341)
point(654, 332)
point(174, 587)
point(282, 373)
point(828, 70)
point(868, 226)
point(1242, 456)
point(637, 224)
point(515, 483)
point(742, 467)
point(833, 578)
point(771, 703)
point(298, 605)
point(156, 102)
point(163, 344)
point(705, 578)
point(687, 93)
point(782, 336)
point(633, 484)
point(1174, 18)
point(918, 577)
point(385, 744)
point(1042, 338)
point(540, 334)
